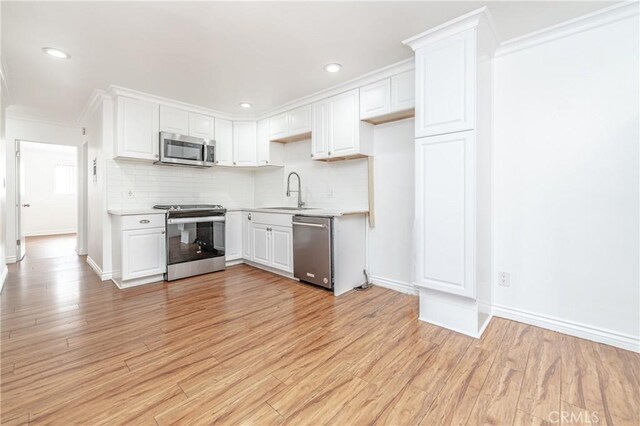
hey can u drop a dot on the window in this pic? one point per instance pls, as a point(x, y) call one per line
point(65, 180)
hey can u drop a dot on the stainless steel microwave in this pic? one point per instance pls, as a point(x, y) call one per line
point(181, 150)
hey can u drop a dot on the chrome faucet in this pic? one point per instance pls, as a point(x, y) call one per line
point(299, 191)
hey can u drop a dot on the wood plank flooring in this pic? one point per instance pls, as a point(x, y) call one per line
point(244, 346)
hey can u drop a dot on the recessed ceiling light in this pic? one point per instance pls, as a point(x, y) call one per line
point(332, 67)
point(56, 53)
point(245, 105)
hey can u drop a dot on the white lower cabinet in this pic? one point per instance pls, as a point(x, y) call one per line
point(247, 246)
point(281, 247)
point(138, 249)
point(268, 240)
point(261, 249)
point(233, 236)
point(143, 253)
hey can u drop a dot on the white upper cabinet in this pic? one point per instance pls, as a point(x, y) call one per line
point(388, 100)
point(445, 85)
point(262, 143)
point(338, 132)
point(319, 139)
point(278, 126)
point(174, 120)
point(291, 126)
point(244, 143)
point(267, 153)
point(375, 99)
point(224, 142)
point(403, 91)
point(201, 126)
point(299, 121)
point(138, 129)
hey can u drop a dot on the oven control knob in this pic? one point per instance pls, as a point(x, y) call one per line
point(325, 280)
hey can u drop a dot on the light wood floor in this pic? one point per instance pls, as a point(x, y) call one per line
point(244, 346)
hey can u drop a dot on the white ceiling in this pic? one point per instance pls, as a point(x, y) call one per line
point(218, 54)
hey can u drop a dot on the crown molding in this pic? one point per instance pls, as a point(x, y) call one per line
point(462, 23)
point(114, 90)
point(363, 80)
point(573, 26)
point(12, 115)
point(97, 96)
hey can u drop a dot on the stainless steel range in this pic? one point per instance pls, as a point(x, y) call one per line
point(195, 239)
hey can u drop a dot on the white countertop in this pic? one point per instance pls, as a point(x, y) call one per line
point(308, 212)
point(129, 212)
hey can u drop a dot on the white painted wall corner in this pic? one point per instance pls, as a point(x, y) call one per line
point(104, 276)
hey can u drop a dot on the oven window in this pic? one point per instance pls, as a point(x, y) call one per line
point(182, 150)
point(195, 241)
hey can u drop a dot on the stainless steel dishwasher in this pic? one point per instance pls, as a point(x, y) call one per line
point(313, 250)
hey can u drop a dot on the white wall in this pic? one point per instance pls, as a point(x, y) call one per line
point(48, 212)
point(339, 184)
point(28, 129)
point(566, 179)
point(391, 259)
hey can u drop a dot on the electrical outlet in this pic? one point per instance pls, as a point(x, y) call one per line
point(504, 279)
point(330, 193)
point(130, 193)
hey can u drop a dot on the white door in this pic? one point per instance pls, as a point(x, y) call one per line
point(247, 234)
point(445, 213)
point(282, 248)
point(143, 253)
point(375, 99)
point(344, 124)
point(262, 143)
point(174, 120)
point(403, 91)
point(261, 246)
point(224, 142)
point(319, 130)
point(300, 120)
point(138, 129)
point(445, 85)
point(233, 236)
point(201, 126)
point(244, 143)
point(20, 206)
point(278, 127)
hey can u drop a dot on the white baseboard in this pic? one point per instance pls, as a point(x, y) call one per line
point(596, 334)
point(394, 285)
point(104, 276)
point(10, 259)
point(3, 276)
point(52, 232)
point(234, 262)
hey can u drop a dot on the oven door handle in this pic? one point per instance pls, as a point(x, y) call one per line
point(195, 219)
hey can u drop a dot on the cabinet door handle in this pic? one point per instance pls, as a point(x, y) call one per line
point(329, 152)
point(145, 221)
point(249, 216)
point(311, 155)
point(162, 232)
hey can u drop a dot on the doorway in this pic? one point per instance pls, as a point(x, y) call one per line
point(47, 207)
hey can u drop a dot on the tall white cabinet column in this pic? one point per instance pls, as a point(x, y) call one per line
point(453, 172)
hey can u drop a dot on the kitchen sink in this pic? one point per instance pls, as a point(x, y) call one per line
point(289, 208)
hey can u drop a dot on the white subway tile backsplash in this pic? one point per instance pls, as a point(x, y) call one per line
point(341, 184)
point(152, 184)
